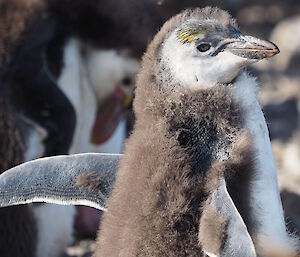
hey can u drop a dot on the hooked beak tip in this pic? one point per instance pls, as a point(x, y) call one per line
point(254, 48)
point(270, 51)
point(276, 50)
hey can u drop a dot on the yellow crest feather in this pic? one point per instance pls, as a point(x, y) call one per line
point(188, 34)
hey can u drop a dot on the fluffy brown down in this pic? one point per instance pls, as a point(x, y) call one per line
point(18, 236)
point(17, 225)
point(93, 20)
point(91, 181)
point(15, 17)
point(164, 179)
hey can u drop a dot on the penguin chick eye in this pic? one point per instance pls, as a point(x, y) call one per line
point(204, 47)
point(127, 82)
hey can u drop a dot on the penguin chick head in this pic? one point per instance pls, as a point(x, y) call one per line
point(206, 48)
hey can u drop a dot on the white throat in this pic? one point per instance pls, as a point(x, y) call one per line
point(265, 198)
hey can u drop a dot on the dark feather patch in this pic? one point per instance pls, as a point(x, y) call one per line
point(17, 224)
point(183, 140)
point(18, 232)
point(93, 182)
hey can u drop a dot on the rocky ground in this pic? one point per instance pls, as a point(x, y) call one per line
point(82, 248)
point(278, 21)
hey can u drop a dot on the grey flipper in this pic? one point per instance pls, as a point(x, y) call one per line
point(238, 241)
point(225, 226)
point(81, 179)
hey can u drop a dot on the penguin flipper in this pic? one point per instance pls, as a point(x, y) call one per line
point(80, 179)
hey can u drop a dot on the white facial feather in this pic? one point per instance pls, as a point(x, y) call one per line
point(87, 80)
point(106, 69)
point(190, 68)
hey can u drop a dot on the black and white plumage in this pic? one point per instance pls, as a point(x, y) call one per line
point(31, 104)
point(198, 176)
point(34, 40)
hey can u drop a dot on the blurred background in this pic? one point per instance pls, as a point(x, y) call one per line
point(67, 72)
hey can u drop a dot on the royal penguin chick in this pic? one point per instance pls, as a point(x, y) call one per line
point(198, 176)
point(33, 34)
point(97, 82)
point(95, 74)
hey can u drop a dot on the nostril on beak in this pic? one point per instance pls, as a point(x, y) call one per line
point(253, 48)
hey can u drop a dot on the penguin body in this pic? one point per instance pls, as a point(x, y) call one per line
point(33, 38)
point(197, 177)
point(198, 123)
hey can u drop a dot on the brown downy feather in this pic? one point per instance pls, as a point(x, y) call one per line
point(180, 138)
point(165, 176)
point(17, 224)
point(15, 18)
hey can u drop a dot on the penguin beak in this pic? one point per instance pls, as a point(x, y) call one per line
point(108, 117)
point(252, 48)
